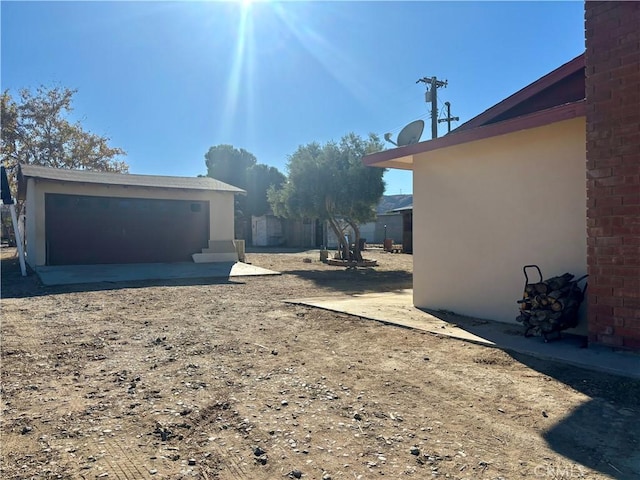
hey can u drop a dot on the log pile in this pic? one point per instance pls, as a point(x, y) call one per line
point(551, 305)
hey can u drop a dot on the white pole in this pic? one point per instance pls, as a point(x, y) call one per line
point(16, 232)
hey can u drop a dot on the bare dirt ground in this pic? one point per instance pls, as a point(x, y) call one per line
point(216, 379)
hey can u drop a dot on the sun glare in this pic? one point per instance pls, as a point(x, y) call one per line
point(241, 59)
point(343, 68)
point(246, 4)
point(259, 28)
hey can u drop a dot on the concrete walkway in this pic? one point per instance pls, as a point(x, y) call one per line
point(78, 274)
point(397, 309)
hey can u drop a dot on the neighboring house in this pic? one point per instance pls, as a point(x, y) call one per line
point(387, 225)
point(271, 231)
point(508, 188)
point(407, 227)
point(76, 217)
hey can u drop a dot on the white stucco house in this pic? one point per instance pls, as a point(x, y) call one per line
point(80, 217)
point(504, 190)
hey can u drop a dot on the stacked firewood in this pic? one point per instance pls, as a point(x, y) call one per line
point(551, 305)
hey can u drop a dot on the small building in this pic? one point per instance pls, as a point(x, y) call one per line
point(387, 225)
point(267, 231)
point(407, 228)
point(76, 217)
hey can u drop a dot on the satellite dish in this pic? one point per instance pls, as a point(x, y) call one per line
point(408, 135)
point(411, 133)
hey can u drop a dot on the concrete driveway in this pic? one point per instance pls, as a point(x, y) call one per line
point(79, 274)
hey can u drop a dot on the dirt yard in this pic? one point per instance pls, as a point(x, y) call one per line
point(224, 380)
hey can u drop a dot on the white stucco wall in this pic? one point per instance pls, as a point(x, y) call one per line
point(221, 209)
point(32, 237)
point(484, 209)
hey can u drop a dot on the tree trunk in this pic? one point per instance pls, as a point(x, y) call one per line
point(342, 246)
point(356, 247)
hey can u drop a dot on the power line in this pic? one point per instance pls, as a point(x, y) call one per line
point(400, 127)
point(431, 95)
point(449, 118)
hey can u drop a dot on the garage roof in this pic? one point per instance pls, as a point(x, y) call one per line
point(126, 179)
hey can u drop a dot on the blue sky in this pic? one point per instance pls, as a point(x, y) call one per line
point(167, 80)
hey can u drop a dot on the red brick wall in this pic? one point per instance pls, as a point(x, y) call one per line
point(613, 172)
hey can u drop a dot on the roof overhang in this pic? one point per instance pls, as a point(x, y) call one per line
point(565, 84)
point(119, 179)
point(555, 97)
point(403, 157)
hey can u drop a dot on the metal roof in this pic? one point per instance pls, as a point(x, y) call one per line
point(125, 179)
point(403, 209)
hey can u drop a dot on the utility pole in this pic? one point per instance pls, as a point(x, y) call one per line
point(432, 96)
point(449, 117)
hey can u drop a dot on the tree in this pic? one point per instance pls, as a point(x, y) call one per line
point(239, 168)
point(229, 164)
point(330, 182)
point(260, 178)
point(35, 131)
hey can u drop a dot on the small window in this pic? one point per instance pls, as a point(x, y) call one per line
point(196, 207)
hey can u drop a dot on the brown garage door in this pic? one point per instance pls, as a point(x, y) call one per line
point(87, 230)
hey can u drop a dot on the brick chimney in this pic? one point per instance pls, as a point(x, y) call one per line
point(612, 58)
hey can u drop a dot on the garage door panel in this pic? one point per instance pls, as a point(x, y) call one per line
point(97, 230)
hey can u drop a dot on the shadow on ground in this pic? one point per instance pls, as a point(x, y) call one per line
point(252, 249)
point(356, 280)
point(594, 444)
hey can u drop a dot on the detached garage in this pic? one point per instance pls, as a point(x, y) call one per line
point(79, 217)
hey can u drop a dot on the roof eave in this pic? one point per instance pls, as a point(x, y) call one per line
point(403, 157)
point(525, 93)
